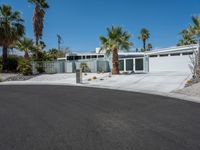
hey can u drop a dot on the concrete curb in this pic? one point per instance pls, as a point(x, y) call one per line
point(171, 95)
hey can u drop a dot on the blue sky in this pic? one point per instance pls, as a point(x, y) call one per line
point(81, 22)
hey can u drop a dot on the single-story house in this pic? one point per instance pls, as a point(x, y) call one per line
point(166, 59)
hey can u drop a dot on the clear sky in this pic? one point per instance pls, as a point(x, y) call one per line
point(81, 22)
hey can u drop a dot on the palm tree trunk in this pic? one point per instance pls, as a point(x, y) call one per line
point(115, 61)
point(144, 45)
point(26, 55)
point(5, 58)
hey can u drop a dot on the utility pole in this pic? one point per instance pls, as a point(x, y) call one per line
point(59, 41)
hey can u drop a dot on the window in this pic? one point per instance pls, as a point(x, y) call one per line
point(164, 55)
point(94, 56)
point(88, 57)
point(175, 54)
point(188, 53)
point(77, 57)
point(101, 56)
point(70, 57)
point(153, 55)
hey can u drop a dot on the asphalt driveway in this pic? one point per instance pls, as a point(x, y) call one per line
point(78, 118)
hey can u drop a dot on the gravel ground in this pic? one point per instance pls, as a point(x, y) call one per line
point(20, 77)
point(5, 76)
point(14, 77)
point(193, 90)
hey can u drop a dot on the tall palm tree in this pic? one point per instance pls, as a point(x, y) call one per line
point(11, 29)
point(38, 17)
point(187, 37)
point(26, 45)
point(144, 36)
point(116, 40)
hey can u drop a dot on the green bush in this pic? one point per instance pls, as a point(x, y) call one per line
point(13, 63)
point(24, 67)
point(1, 67)
point(84, 67)
point(40, 67)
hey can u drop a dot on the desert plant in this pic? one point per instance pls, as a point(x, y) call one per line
point(94, 78)
point(194, 64)
point(12, 63)
point(11, 29)
point(26, 45)
point(144, 36)
point(1, 68)
point(84, 67)
point(116, 40)
point(38, 17)
point(40, 67)
point(24, 67)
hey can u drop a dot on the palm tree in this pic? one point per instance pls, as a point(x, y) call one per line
point(38, 17)
point(187, 37)
point(144, 36)
point(25, 45)
point(11, 29)
point(116, 40)
point(195, 29)
point(149, 47)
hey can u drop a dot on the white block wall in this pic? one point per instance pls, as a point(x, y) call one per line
point(169, 63)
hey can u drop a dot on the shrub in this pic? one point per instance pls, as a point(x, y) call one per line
point(84, 67)
point(13, 63)
point(94, 78)
point(40, 67)
point(24, 67)
point(1, 67)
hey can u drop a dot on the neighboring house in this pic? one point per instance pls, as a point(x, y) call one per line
point(166, 59)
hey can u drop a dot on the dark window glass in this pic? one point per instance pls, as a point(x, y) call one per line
point(129, 64)
point(139, 65)
point(101, 56)
point(153, 55)
point(94, 56)
point(188, 53)
point(164, 55)
point(88, 57)
point(121, 65)
point(70, 57)
point(175, 54)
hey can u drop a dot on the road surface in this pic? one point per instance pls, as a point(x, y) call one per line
point(79, 118)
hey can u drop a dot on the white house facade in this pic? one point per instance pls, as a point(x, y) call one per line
point(159, 60)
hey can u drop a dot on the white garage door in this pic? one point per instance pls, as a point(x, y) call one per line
point(169, 63)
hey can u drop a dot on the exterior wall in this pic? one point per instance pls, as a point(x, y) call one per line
point(169, 63)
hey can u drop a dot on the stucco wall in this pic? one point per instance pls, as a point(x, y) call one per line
point(169, 63)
